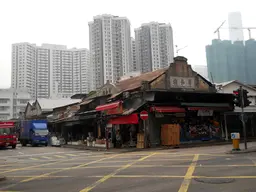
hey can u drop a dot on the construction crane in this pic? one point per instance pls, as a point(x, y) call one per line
point(218, 29)
point(177, 50)
point(248, 28)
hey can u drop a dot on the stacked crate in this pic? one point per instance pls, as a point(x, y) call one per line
point(140, 140)
point(170, 134)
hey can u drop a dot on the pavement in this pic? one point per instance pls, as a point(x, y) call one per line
point(208, 169)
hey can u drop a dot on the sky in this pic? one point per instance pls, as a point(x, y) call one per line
point(66, 22)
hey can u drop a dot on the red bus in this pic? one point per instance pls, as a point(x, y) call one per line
point(7, 134)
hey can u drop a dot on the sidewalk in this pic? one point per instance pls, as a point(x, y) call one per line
point(251, 147)
point(124, 150)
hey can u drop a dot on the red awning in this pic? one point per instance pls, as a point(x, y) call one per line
point(129, 119)
point(168, 109)
point(108, 106)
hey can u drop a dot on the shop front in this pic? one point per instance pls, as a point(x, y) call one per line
point(122, 122)
point(196, 119)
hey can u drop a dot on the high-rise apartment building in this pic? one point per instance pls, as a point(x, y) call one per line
point(110, 47)
point(154, 46)
point(226, 61)
point(12, 102)
point(50, 70)
point(133, 66)
point(235, 26)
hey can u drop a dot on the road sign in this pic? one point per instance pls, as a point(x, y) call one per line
point(235, 136)
point(144, 115)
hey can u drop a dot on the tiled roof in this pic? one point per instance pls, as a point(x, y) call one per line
point(135, 82)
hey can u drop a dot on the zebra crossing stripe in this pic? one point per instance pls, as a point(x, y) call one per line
point(71, 155)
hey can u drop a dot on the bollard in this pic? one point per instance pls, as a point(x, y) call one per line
point(236, 141)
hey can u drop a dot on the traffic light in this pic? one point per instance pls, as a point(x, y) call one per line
point(246, 98)
point(237, 98)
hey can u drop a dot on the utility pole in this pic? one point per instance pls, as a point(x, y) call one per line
point(242, 116)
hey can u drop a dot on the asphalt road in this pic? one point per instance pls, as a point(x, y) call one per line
point(40, 169)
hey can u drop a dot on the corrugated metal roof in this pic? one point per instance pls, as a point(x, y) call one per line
point(50, 104)
point(135, 82)
point(86, 102)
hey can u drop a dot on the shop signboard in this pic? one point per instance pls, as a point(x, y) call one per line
point(182, 82)
point(205, 112)
point(114, 111)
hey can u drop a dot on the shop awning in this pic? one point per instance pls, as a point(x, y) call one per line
point(168, 109)
point(129, 119)
point(108, 106)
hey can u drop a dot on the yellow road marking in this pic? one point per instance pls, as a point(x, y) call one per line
point(168, 160)
point(64, 169)
point(46, 157)
point(28, 176)
point(106, 177)
point(122, 161)
point(71, 155)
point(187, 179)
point(59, 156)
point(36, 166)
point(137, 166)
point(9, 191)
point(226, 177)
point(176, 176)
point(34, 159)
point(141, 176)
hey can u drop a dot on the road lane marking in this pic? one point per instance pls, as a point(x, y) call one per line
point(65, 169)
point(168, 160)
point(138, 166)
point(187, 179)
point(106, 177)
point(46, 157)
point(34, 159)
point(141, 176)
point(175, 176)
point(71, 155)
point(28, 176)
point(9, 191)
point(59, 156)
point(40, 165)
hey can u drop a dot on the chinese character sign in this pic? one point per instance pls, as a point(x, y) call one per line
point(182, 82)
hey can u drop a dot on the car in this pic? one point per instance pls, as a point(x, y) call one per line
point(55, 141)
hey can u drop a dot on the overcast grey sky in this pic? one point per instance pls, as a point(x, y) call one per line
point(66, 22)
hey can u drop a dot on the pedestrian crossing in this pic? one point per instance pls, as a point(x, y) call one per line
point(47, 157)
point(53, 157)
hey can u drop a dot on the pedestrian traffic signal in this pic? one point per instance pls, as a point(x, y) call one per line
point(247, 102)
point(237, 98)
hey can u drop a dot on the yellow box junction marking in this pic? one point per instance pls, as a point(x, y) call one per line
point(36, 166)
point(65, 169)
point(71, 155)
point(46, 157)
point(106, 177)
point(187, 179)
point(59, 156)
